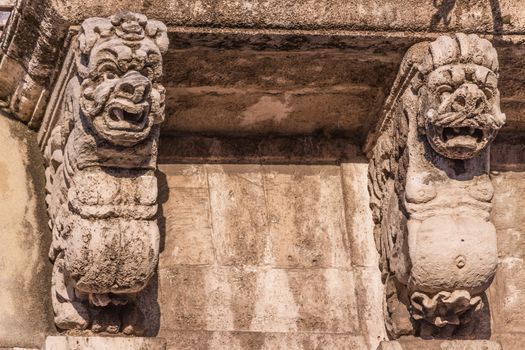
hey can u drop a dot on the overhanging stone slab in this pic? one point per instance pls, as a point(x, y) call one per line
point(264, 78)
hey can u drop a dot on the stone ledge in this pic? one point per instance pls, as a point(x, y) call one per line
point(420, 344)
point(104, 343)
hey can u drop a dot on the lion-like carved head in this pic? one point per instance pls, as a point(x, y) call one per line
point(119, 63)
point(459, 107)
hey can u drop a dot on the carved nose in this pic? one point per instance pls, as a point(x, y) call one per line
point(468, 99)
point(133, 86)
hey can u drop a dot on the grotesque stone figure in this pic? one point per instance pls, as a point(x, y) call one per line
point(102, 191)
point(430, 187)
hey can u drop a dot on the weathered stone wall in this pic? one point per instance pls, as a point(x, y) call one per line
point(282, 256)
point(507, 293)
point(268, 257)
point(25, 316)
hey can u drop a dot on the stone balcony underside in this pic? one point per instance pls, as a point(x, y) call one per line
point(244, 68)
point(253, 83)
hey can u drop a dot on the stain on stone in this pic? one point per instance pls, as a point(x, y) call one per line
point(26, 231)
point(313, 303)
point(252, 340)
point(244, 285)
point(183, 299)
point(443, 13)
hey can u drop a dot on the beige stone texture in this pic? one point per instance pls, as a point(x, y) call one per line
point(191, 340)
point(267, 255)
point(507, 294)
point(7, 4)
point(25, 271)
point(280, 83)
point(419, 344)
point(380, 15)
point(104, 343)
point(510, 341)
point(245, 67)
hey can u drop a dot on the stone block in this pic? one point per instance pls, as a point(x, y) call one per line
point(238, 212)
point(420, 344)
point(191, 340)
point(7, 4)
point(269, 249)
point(184, 213)
point(104, 343)
point(358, 216)
point(510, 341)
point(258, 299)
point(307, 218)
point(507, 294)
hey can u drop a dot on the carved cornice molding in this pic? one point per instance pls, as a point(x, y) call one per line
point(430, 187)
point(100, 144)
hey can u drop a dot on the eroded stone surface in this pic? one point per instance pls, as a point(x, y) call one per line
point(508, 290)
point(274, 265)
point(102, 191)
point(430, 187)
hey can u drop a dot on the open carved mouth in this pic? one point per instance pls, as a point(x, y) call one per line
point(465, 136)
point(126, 117)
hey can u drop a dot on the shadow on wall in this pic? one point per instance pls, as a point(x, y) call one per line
point(497, 19)
point(444, 8)
point(150, 297)
point(266, 149)
point(148, 300)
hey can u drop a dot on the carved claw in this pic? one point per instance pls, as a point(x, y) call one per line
point(106, 319)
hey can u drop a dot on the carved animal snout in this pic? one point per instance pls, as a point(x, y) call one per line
point(134, 87)
point(468, 99)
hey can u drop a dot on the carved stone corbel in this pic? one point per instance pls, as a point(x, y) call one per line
point(102, 190)
point(430, 187)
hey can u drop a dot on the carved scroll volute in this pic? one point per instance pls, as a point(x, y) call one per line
point(430, 187)
point(102, 190)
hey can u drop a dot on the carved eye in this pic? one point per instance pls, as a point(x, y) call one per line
point(488, 92)
point(147, 72)
point(444, 92)
point(110, 75)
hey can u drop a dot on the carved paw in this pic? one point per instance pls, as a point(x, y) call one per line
point(133, 320)
point(106, 319)
point(71, 315)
